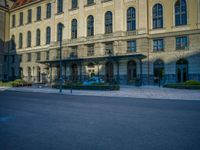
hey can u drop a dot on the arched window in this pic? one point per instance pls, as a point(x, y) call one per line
point(180, 12)
point(59, 6)
point(13, 42)
point(48, 10)
point(59, 31)
point(29, 39)
point(20, 40)
point(48, 35)
point(109, 72)
point(90, 25)
point(131, 71)
point(38, 37)
point(158, 70)
point(131, 19)
point(108, 22)
point(157, 16)
point(74, 72)
point(74, 29)
point(74, 4)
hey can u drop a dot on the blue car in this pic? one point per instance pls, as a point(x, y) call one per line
point(93, 80)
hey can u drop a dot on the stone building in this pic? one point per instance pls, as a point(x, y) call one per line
point(118, 40)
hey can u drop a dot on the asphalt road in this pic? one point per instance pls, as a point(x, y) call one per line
point(31, 121)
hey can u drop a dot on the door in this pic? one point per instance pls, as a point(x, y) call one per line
point(109, 72)
point(182, 70)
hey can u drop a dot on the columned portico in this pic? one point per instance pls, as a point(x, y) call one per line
point(108, 68)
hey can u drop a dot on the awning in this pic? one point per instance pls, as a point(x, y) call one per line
point(96, 59)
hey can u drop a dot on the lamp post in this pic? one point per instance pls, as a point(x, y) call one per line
point(60, 27)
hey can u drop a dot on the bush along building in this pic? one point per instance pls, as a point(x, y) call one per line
point(125, 41)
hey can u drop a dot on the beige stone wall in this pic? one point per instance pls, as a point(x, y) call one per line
point(144, 34)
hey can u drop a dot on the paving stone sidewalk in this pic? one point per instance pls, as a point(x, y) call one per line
point(149, 92)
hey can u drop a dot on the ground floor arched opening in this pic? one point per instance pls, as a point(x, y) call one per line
point(131, 71)
point(109, 72)
point(159, 71)
point(74, 72)
point(182, 70)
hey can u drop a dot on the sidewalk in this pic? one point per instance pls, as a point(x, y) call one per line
point(149, 92)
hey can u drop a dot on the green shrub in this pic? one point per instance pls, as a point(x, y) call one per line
point(186, 85)
point(192, 82)
point(18, 82)
point(5, 84)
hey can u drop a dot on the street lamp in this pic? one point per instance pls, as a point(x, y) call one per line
point(60, 28)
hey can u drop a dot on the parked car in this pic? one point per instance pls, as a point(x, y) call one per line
point(93, 80)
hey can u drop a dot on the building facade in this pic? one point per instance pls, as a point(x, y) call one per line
point(119, 40)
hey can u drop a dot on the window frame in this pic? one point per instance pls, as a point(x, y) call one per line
point(156, 45)
point(108, 18)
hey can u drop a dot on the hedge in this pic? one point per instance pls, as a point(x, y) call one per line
point(90, 87)
point(191, 84)
point(15, 83)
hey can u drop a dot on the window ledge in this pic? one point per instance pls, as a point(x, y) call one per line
point(158, 51)
point(28, 23)
point(47, 18)
point(181, 26)
point(156, 29)
point(20, 25)
point(182, 49)
point(59, 13)
point(72, 9)
point(38, 20)
point(104, 1)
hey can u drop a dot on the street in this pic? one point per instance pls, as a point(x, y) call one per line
point(37, 121)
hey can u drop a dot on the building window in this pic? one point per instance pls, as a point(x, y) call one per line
point(38, 56)
point(74, 4)
point(38, 13)
point(180, 12)
point(47, 55)
point(131, 46)
point(38, 37)
point(90, 26)
point(29, 18)
point(157, 16)
point(29, 39)
point(29, 57)
point(74, 51)
point(21, 18)
point(74, 29)
point(48, 13)
point(108, 22)
point(131, 19)
point(13, 20)
point(59, 6)
point(90, 2)
point(48, 35)
point(20, 40)
point(13, 42)
point(109, 48)
point(90, 50)
point(59, 31)
point(158, 45)
point(57, 53)
point(182, 43)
